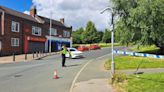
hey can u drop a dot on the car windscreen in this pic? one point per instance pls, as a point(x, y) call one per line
point(72, 50)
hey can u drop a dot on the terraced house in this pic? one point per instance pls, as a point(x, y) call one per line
point(22, 33)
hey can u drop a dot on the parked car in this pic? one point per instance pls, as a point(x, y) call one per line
point(94, 47)
point(74, 53)
point(83, 48)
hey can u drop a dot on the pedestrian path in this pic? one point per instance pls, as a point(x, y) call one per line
point(94, 85)
point(94, 78)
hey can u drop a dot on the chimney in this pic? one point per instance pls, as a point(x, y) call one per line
point(33, 11)
point(62, 20)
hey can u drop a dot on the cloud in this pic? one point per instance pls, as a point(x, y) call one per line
point(76, 12)
point(27, 12)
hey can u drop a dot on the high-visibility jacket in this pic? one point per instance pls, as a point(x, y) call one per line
point(64, 51)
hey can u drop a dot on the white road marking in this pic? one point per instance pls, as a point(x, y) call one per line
point(77, 75)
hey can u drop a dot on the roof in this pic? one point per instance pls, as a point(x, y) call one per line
point(55, 22)
point(18, 14)
point(29, 17)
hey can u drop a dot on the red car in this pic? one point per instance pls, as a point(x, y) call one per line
point(94, 47)
point(82, 48)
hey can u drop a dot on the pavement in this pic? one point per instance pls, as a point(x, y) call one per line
point(94, 85)
point(21, 58)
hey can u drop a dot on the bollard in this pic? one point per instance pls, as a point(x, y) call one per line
point(39, 54)
point(13, 57)
point(33, 55)
point(25, 56)
point(36, 54)
point(42, 54)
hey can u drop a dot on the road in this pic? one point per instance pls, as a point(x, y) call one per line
point(37, 75)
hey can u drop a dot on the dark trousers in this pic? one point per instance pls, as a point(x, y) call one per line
point(63, 59)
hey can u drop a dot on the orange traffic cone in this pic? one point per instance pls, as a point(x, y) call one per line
point(55, 75)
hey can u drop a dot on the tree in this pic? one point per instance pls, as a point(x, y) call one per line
point(77, 36)
point(100, 36)
point(107, 36)
point(141, 21)
point(90, 34)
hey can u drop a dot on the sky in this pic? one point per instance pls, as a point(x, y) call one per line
point(76, 12)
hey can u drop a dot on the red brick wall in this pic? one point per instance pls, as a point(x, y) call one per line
point(7, 48)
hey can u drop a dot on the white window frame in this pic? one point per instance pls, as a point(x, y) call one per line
point(68, 34)
point(53, 31)
point(15, 42)
point(64, 33)
point(36, 30)
point(14, 25)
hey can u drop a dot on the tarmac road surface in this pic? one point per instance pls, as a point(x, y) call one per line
point(37, 75)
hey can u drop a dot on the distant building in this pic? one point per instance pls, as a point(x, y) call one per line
point(22, 33)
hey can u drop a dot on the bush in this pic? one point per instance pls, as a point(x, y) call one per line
point(118, 78)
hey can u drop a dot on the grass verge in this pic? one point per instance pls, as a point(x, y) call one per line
point(151, 49)
point(140, 83)
point(130, 62)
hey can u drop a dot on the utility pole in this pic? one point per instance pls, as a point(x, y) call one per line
point(50, 29)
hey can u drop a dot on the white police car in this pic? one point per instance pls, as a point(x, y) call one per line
point(74, 53)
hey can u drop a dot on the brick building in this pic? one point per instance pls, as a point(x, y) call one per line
point(22, 33)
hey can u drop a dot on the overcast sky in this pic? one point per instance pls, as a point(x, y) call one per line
point(76, 12)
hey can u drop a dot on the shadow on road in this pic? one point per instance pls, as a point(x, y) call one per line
point(73, 65)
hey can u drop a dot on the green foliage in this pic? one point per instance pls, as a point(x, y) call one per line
point(100, 36)
point(131, 62)
point(141, 21)
point(87, 35)
point(77, 37)
point(118, 78)
point(107, 36)
point(90, 34)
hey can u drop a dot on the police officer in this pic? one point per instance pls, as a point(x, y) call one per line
point(63, 54)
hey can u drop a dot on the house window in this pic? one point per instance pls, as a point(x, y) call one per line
point(14, 42)
point(53, 31)
point(66, 34)
point(15, 26)
point(36, 31)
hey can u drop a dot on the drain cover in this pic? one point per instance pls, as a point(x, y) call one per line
point(17, 76)
point(91, 83)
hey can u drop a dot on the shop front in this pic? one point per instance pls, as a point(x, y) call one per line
point(34, 44)
point(56, 43)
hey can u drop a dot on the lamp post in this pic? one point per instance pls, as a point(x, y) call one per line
point(112, 39)
point(60, 37)
point(71, 42)
point(50, 32)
